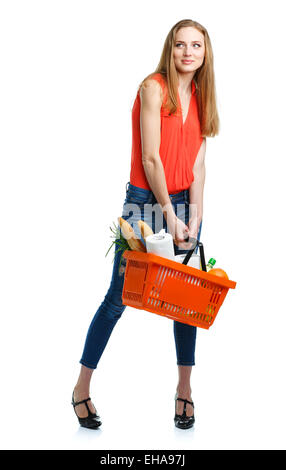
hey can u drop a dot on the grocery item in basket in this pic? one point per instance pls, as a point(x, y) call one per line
point(210, 264)
point(161, 244)
point(218, 272)
point(144, 229)
point(129, 234)
point(194, 261)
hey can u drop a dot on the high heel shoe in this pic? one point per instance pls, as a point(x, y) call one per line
point(92, 420)
point(183, 421)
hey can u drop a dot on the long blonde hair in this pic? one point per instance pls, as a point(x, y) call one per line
point(204, 79)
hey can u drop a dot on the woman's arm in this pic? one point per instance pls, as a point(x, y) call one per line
point(150, 126)
point(197, 191)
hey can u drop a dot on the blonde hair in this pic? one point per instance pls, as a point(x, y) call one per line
point(204, 79)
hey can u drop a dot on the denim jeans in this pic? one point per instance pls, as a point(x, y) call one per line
point(140, 201)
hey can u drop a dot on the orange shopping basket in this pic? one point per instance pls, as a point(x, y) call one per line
point(172, 289)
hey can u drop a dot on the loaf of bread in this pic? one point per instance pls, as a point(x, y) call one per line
point(129, 234)
point(145, 229)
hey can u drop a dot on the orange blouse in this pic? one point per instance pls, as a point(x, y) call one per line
point(179, 145)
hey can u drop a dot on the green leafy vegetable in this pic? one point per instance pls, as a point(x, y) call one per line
point(119, 240)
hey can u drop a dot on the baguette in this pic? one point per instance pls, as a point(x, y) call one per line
point(145, 229)
point(129, 234)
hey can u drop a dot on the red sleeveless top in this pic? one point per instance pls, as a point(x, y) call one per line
point(179, 145)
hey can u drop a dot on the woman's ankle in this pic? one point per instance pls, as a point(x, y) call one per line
point(81, 392)
point(82, 386)
point(184, 391)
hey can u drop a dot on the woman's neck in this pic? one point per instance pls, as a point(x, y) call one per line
point(185, 80)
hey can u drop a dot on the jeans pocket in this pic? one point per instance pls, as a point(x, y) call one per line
point(138, 196)
point(133, 199)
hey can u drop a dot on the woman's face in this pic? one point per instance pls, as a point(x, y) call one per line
point(189, 46)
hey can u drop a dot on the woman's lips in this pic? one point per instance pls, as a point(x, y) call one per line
point(187, 61)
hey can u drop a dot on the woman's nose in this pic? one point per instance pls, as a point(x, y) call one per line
point(188, 50)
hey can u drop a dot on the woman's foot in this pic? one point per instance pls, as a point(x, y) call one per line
point(183, 393)
point(184, 409)
point(81, 411)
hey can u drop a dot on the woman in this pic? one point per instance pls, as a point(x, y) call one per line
point(173, 113)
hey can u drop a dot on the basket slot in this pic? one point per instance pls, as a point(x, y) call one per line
point(215, 295)
point(160, 270)
point(160, 277)
point(159, 281)
point(163, 277)
point(216, 299)
point(210, 311)
point(133, 296)
point(205, 284)
point(158, 273)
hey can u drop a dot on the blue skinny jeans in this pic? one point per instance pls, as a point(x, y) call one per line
point(111, 308)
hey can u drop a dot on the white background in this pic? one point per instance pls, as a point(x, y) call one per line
point(70, 71)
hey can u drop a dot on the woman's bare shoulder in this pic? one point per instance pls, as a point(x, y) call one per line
point(151, 89)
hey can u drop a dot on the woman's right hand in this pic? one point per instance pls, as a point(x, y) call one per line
point(179, 231)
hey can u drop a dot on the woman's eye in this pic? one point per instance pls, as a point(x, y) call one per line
point(180, 44)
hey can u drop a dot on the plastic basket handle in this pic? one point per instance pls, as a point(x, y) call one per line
point(202, 255)
point(195, 243)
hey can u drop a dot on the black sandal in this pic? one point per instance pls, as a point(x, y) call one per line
point(92, 420)
point(183, 421)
